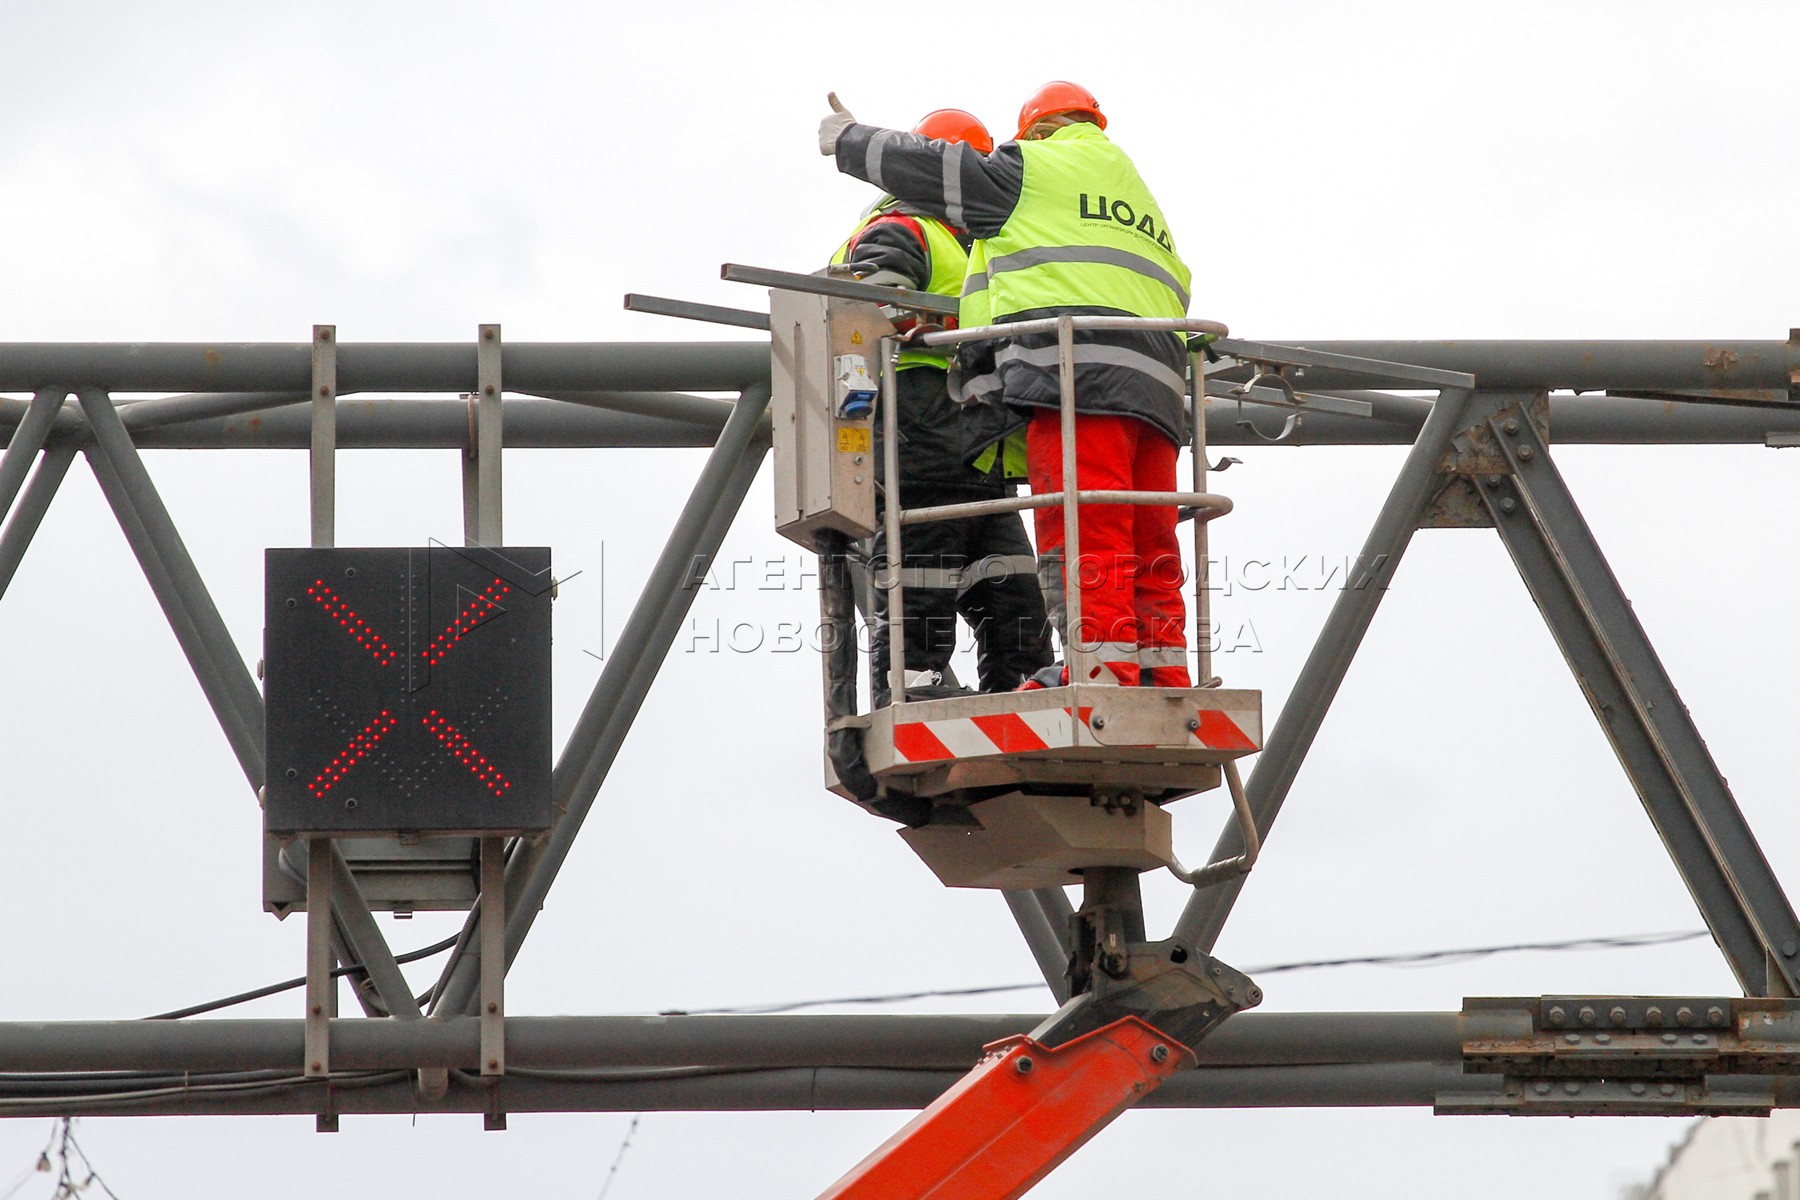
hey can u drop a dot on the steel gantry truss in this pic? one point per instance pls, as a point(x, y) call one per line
point(1480, 456)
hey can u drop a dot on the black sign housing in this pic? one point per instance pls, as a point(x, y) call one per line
point(407, 690)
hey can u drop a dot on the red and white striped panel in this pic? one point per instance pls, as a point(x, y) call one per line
point(1220, 730)
point(1043, 729)
point(995, 733)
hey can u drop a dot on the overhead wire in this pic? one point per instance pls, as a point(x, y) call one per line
point(1412, 958)
point(1619, 942)
point(288, 985)
point(65, 1182)
point(630, 1132)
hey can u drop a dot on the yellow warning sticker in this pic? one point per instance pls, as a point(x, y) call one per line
point(852, 440)
point(856, 337)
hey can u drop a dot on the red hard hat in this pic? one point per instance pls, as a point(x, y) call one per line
point(955, 125)
point(1059, 96)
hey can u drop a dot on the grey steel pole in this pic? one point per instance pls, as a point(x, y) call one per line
point(322, 464)
point(243, 731)
point(925, 1041)
point(1586, 365)
point(1286, 746)
point(666, 406)
point(207, 643)
point(1202, 534)
point(366, 945)
point(1076, 655)
point(1048, 948)
point(390, 422)
point(393, 423)
point(803, 1089)
point(23, 524)
point(532, 367)
point(141, 416)
point(27, 439)
point(482, 458)
point(625, 680)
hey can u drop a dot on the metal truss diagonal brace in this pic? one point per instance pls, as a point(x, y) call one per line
point(211, 653)
point(1043, 917)
point(26, 441)
point(619, 692)
point(23, 524)
point(1640, 711)
point(1420, 477)
point(179, 589)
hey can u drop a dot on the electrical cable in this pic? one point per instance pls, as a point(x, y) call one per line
point(1621, 942)
point(65, 1184)
point(625, 1145)
point(1420, 957)
point(289, 985)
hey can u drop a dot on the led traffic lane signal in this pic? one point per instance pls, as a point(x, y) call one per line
point(407, 690)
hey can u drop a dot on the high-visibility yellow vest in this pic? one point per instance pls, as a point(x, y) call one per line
point(1086, 232)
point(947, 260)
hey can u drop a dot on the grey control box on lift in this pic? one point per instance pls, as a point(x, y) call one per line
point(826, 377)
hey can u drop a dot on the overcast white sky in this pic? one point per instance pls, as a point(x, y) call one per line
point(215, 171)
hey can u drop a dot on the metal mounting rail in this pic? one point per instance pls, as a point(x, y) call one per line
point(843, 289)
point(1207, 504)
point(977, 333)
point(688, 310)
point(1366, 368)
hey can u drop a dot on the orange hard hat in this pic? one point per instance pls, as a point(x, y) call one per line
point(1059, 96)
point(955, 125)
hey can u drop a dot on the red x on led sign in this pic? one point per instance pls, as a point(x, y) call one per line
point(407, 690)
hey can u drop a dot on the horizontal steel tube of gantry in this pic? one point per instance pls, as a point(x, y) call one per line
point(537, 367)
point(537, 424)
point(382, 366)
point(1575, 365)
point(808, 1089)
point(404, 424)
point(927, 1042)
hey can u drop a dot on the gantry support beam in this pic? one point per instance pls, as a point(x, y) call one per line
point(768, 1063)
point(1421, 476)
point(534, 367)
point(641, 420)
point(1483, 458)
point(1633, 698)
point(911, 1041)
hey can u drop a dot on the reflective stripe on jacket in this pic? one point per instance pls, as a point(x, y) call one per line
point(1086, 232)
point(1086, 237)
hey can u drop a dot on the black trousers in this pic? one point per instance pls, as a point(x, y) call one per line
point(980, 569)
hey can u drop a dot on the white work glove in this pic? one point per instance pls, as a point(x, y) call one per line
point(834, 124)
